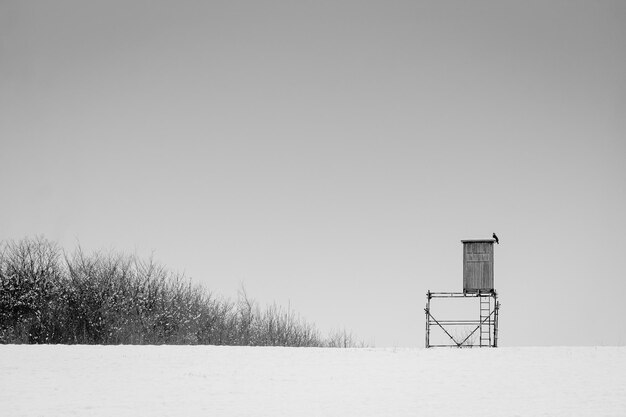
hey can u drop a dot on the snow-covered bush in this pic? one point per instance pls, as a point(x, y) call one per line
point(48, 296)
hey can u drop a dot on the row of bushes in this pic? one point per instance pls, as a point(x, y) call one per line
point(50, 296)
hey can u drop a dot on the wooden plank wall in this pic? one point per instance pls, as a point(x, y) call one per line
point(477, 266)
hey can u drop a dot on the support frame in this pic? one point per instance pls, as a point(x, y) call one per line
point(490, 321)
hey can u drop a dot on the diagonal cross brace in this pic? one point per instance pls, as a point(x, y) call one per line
point(442, 328)
point(477, 327)
point(450, 336)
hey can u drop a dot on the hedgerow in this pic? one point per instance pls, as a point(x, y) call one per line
point(50, 296)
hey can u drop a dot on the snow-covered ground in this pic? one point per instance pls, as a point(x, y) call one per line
point(251, 381)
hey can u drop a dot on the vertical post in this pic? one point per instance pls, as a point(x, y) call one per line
point(480, 319)
point(427, 310)
point(490, 321)
point(495, 320)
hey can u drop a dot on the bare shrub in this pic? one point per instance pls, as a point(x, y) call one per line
point(47, 296)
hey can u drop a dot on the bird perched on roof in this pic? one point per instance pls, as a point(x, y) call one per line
point(496, 238)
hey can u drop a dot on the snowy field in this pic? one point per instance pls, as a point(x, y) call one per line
point(241, 381)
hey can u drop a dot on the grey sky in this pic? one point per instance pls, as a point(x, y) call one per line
point(331, 154)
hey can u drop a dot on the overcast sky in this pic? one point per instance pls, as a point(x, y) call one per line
point(331, 154)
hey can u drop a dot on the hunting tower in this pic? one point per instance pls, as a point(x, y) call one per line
point(477, 283)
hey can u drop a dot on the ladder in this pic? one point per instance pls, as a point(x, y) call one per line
point(485, 321)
